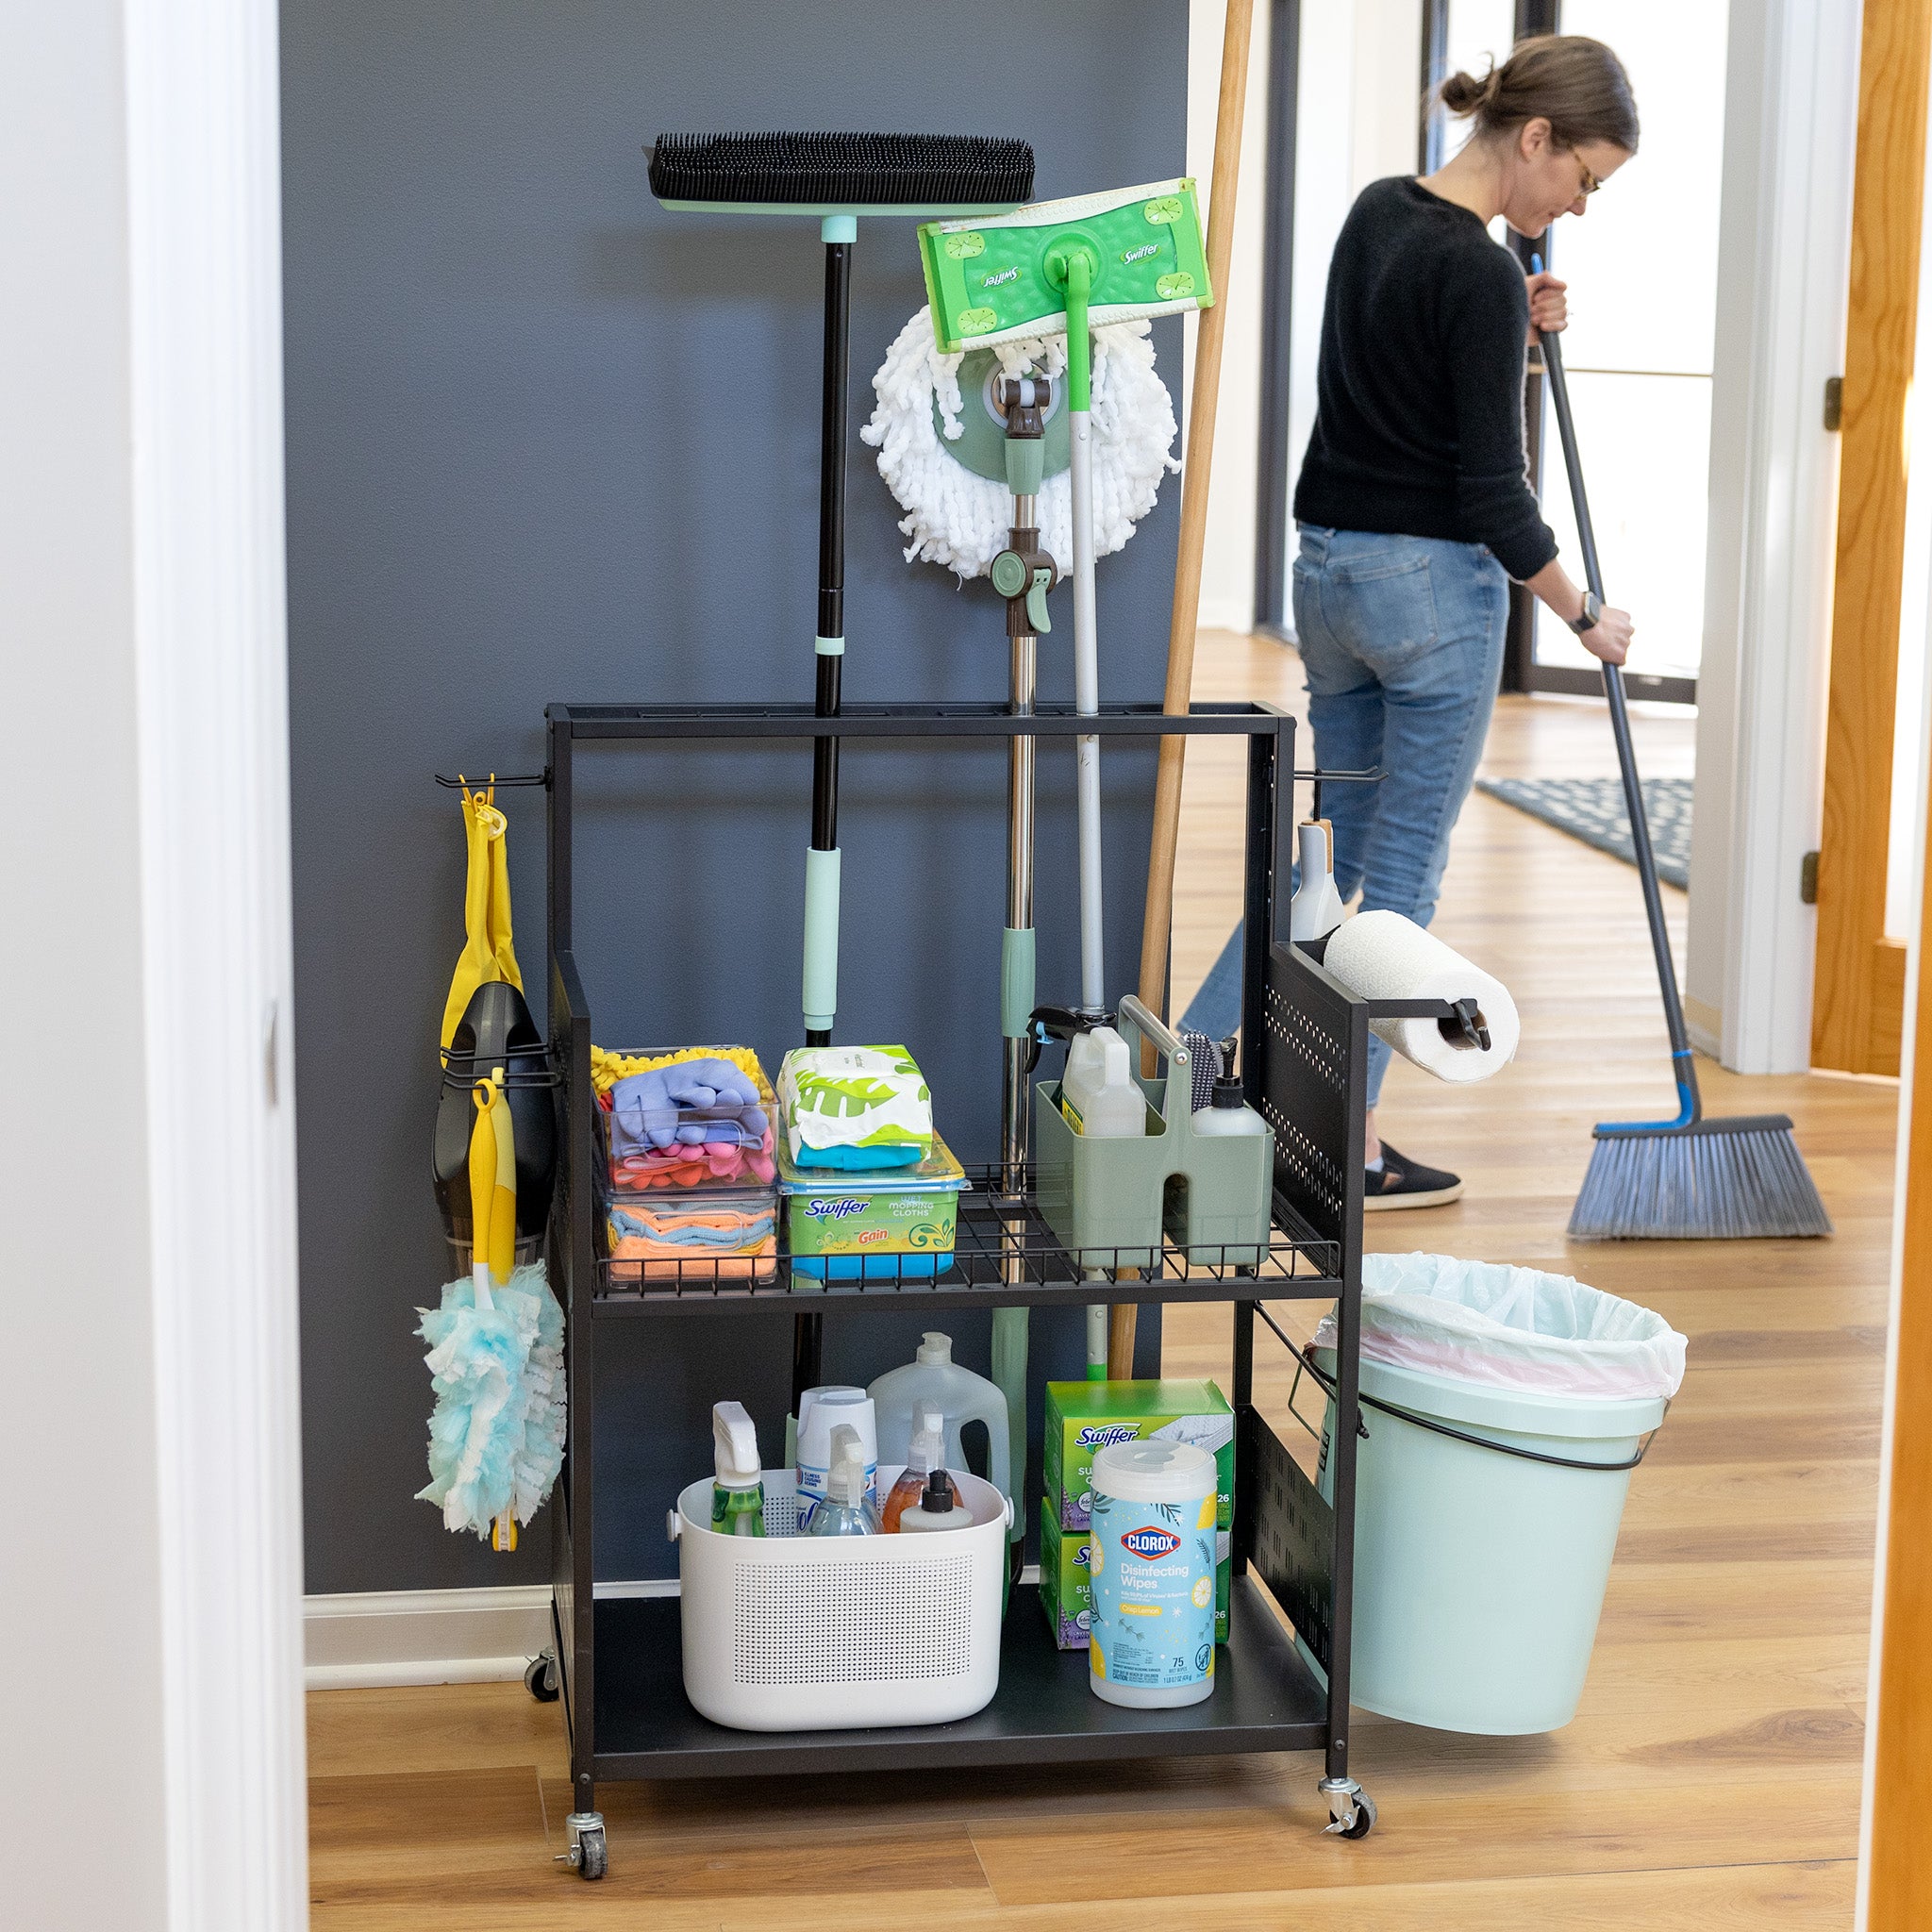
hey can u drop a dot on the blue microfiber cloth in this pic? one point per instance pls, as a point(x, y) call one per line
point(859, 1159)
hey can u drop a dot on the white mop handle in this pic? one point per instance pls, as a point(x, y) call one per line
point(1087, 701)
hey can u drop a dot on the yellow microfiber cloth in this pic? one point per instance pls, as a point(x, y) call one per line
point(608, 1068)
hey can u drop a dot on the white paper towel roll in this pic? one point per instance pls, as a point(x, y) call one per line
point(1382, 955)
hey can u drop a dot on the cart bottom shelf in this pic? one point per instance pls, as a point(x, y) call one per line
point(1265, 1699)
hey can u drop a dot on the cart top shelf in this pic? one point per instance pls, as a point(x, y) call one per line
point(1006, 1256)
point(916, 721)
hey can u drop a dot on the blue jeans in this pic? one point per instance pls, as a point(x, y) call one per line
point(1401, 643)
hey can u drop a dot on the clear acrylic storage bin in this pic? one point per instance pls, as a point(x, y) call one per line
point(697, 1235)
point(786, 1632)
point(734, 1157)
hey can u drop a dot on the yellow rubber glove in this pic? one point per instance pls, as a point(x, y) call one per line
point(487, 953)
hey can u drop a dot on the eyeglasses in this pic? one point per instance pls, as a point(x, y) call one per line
point(1590, 184)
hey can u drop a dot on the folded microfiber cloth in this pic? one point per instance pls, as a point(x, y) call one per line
point(709, 1165)
point(638, 1231)
point(852, 1102)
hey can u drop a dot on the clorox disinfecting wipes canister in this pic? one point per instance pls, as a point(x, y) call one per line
point(1152, 1558)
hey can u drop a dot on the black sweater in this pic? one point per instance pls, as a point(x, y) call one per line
point(1419, 389)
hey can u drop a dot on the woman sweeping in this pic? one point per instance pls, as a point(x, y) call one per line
point(1414, 507)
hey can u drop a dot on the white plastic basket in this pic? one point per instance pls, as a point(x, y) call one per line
point(786, 1632)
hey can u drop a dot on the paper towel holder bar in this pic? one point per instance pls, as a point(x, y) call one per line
point(1461, 1022)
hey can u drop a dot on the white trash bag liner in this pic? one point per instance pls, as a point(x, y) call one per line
point(1511, 1328)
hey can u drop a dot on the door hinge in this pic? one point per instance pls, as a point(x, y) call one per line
point(1807, 878)
point(1834, 402)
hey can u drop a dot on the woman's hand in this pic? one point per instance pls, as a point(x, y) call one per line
point(1609, 636)
point(1548, 309)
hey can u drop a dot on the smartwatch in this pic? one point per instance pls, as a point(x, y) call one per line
point(1592, 609)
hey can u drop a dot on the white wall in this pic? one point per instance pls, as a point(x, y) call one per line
point(83, 1768)
point(1791, 110)
point(152, 1774)
point(1227, 560)
point(1357, 113)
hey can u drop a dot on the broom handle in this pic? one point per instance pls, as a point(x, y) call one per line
point(1682, 1065)
point(1156, 922)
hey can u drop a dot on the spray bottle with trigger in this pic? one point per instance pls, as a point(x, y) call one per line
point(1315, 910)
point(738, 1494)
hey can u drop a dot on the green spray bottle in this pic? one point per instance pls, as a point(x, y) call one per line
point(738, 1495)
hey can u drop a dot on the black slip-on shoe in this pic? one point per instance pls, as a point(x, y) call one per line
point(1406, 1183)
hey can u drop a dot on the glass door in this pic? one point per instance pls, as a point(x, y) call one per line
point(1641, 266)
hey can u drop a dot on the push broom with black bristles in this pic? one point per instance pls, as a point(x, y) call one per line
point(836, 178)
point(1687, 1178)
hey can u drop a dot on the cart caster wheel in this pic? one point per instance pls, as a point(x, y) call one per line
point(587, 1850)
point(1351, 1811)
point(541, 1678)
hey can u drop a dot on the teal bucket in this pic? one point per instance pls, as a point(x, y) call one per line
point(1479, 1574)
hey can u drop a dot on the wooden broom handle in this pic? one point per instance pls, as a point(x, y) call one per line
point(1187, 575)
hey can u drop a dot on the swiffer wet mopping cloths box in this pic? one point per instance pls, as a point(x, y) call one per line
point(1082, 1417)
point(884, 1224)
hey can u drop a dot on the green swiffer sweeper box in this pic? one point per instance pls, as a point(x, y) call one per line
point(1082, 1417)
point(1066, 1587)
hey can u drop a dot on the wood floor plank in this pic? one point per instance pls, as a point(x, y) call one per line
point(463, 1726)
point(1656, 1823)
point(1815, 1897)
point(834, 1850)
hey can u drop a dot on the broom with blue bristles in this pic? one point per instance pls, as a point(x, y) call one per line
point(1687, 1178)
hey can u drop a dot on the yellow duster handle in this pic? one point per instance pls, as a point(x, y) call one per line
point(503, 1205)
point(482, 1190)
point(494, 1220)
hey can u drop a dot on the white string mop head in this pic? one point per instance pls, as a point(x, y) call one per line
point(961, 518)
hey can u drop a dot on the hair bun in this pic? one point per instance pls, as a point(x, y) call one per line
point(1463, 93)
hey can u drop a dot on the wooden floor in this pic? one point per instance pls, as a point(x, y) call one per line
point(1711, 1779)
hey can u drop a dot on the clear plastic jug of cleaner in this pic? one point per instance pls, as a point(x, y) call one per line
point(934, 1380)
point(1098, 1094)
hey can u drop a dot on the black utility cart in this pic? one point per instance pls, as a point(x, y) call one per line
point(616, 1660)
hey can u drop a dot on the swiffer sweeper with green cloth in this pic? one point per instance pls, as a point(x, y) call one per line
point(835, 177)
point(1071, 265)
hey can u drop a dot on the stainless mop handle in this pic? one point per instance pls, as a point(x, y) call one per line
point(1619, 728)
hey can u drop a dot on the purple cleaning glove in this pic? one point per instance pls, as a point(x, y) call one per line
point(652, 1111)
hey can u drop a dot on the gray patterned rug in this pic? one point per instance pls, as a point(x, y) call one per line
point(1593, 809)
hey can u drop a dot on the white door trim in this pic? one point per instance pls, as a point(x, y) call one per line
point(204, 183)
point(1784, 254)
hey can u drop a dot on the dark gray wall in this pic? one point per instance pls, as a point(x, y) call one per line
point(546, 442)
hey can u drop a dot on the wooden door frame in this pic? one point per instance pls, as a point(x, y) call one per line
point(1858, 992)
point(1895, 1878)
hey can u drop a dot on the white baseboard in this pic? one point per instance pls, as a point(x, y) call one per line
point(378, 1640)
point(1704, 1024)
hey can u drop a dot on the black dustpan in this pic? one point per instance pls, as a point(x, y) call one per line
point(497, 1030)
